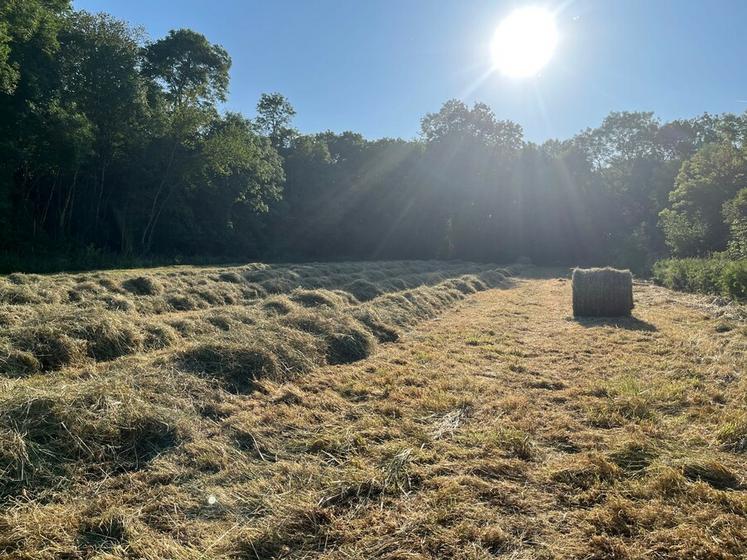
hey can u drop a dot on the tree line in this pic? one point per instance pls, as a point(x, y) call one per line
point(113, 143)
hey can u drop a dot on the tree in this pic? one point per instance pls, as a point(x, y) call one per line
point(192, 75)
point(28, 44)
point(99, 60)
point(189, 68)
point(694, 224)
point(274, 115)
point(457, 121)
point(27, 27)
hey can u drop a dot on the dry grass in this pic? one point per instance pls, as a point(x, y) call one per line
point(502, 428)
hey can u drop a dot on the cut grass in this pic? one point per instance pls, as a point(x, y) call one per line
point(477, 435)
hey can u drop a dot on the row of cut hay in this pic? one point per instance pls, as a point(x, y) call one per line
point(52, 433)
point(119, 417)
point(408, 307)
point(292, 339)
point(192, 289)
point(56, 338)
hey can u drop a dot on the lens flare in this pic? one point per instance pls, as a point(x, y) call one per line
point(524, 42)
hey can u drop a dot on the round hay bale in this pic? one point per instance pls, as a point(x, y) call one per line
point(602, 292)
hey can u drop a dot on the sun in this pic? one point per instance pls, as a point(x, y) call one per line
point(524, 42)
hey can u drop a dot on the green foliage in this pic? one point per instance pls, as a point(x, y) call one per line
point(694, 225)
point(274, 115)
point(734, 279)
point(456, 120)
point(188, 67)
point(115, 150)
point(735, 215)
point(717, 275)
point(26, 25)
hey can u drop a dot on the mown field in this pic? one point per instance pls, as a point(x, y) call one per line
point(398, 410)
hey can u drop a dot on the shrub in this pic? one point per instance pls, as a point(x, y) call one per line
point(717, 275)
point(734, 279)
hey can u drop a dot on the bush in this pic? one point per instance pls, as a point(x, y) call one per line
point(734, 279)
point(717, 275)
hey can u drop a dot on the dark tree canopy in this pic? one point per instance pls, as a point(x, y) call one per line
point(114, 145)
point(190, 68)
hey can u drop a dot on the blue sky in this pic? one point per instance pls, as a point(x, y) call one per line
point(377, 66)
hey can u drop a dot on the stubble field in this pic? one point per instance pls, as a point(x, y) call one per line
point(399, 410)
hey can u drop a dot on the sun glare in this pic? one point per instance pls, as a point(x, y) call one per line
point(524, 42)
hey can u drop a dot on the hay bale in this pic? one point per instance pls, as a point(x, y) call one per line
point(602, 292)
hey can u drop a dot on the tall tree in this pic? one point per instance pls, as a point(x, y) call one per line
point(190, 69)
point(193, 76)
point(274, 116)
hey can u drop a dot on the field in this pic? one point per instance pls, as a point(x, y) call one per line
point(393, 410)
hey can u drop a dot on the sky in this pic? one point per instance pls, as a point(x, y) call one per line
point(377, 66)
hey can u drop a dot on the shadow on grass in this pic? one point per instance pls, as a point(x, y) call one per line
point(627, 323)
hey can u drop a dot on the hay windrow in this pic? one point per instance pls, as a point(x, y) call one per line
point(143, 286)
point(109, 377)
point(476, 436)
